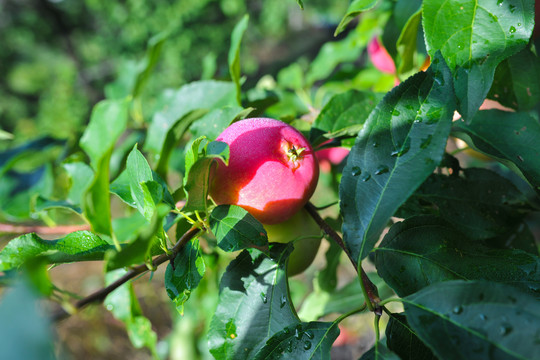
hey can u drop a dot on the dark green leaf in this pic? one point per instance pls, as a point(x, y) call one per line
point(234, 54)
point(25, 332)
point(236, 229)
point(344, 114)
point(77, 246)
point(254, 304)
point(481, 204)
point(10, 157)
point(474, 37)
point(517, 81)
point(185, 275)
point(511, 138)
point(425, 250)
point(476, 320)
point(355, 9)
point(327, 277)
point(399, 147)
point(42, 204)
point(379, 352)
point(401, 339)
point(394, 28)
point(140, 248)
point(303, 341)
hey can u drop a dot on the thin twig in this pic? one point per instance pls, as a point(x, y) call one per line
point(100, 295)
point(368, 286)
point(45, 230)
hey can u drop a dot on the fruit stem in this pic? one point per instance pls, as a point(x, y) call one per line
point(368, 288)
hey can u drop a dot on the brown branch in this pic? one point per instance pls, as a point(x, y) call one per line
point(100, 295)
point(367, 285)
point(45, 230)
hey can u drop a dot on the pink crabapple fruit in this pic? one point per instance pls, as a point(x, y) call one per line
point(272, 170)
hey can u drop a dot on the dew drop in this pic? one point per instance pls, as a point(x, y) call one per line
point(298, 333)
point(264, 298)
point(520, 158)
point(395, 112)
point(512, 8)
point(505, 329)
point(283, 301)
point(458, 310)
point(365, 177)
point(519, 24)
point(310, 334)
point(307, 345)
point(483, 317)
point(375, 144)
point(425, 142)
point(381, 170)
point(110, 307)
point(356, 171)
point(460, 46)
point(512, 30)
point(289, 346)
point(500, 2)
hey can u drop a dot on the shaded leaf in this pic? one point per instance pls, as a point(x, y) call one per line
point(399, 147)
point(234, 54)
point(402, 340)
point(236, 229)
point(185, 275)
point(511, 138)
point(311, 340)
point(254, 304)
point(475, 320)
point(425, 250)
point(379, 352)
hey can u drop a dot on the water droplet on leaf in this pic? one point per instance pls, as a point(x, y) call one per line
point(356, 171)
point(505, 329)
point(307, 345)
point(264, 298)
point(395, 112)
point(283, 301)
point(512, 30)
point(365, 177)
point(381, 170)
point(310, 334)
point(458, 310)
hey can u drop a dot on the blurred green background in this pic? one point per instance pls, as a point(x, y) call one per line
point(56, 56)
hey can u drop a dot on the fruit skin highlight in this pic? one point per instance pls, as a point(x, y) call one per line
point(272, 169)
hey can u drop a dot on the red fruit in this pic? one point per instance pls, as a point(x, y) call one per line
point(272, 169)
point(380, 57)
point(330, 156)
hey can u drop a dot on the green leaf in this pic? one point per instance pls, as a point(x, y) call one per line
point(421, 251)
point(480, 203)
point(77, 246)
point(474, 37)
point(236, 229)
point(9, 157)
point(517, 81)
point(198, 170)
point(380, 352)
point(124, 305)
point(139, 250)
point(208, 94)
point(303, 341)
point(234, 54)
point(300, 3)
point(81, 176)
point(355, 9)
point(511, 138)
point(214, 122)
point(401, 143)
point(25, 332)
point(406, 44)
point(402, 340)
point(153, 52)
point(344, 114)
point(254, 304)
point(42, 204)
point(399, 24)
point(107, 123)
point(475, 320)
point(185, 275)
point(327, 277)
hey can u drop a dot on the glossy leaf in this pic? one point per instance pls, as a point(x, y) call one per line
point(517, 81)
point(344, 114)
point(185, 275)
point(77, 246)
point(511, 138)
point(236, 229)
point(399, 147)
point(474, 37)
point(311, 340)
point(402, 340)
point(254, 304)
point(421, 251)
point(380, 352)
point(480, 203)
point(475, 320)
point(355, 8)
point(234, 54)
